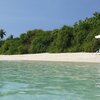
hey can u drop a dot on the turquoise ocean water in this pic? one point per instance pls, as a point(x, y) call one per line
point(27, 80)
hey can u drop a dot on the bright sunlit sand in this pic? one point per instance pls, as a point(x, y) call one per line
point(66, 57)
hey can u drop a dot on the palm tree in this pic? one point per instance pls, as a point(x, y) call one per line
point(10, 37)
point(2, 33)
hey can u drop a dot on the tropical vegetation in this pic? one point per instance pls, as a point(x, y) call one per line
point(77, 38)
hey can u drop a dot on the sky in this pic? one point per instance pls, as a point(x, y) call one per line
point(19, 16)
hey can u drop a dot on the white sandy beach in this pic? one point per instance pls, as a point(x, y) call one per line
point(65, 57)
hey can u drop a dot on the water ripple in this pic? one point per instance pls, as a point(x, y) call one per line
point(26, 80)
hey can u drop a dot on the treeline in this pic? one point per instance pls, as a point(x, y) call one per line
point(77, 38)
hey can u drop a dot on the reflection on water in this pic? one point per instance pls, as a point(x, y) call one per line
point(26, 80)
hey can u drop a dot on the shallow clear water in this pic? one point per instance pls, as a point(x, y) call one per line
point(26, 80)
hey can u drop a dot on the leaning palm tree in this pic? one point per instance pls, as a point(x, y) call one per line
point(2, 33)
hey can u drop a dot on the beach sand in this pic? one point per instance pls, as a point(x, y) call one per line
point(65, 57)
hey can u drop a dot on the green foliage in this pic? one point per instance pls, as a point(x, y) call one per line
point(10, 46)
point(10, 37)
point(61, 39)
point(77, 38)
point(23, 49)
point(2, 33)
point(40, 43)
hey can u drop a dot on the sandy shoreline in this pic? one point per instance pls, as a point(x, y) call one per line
point(65, 57)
